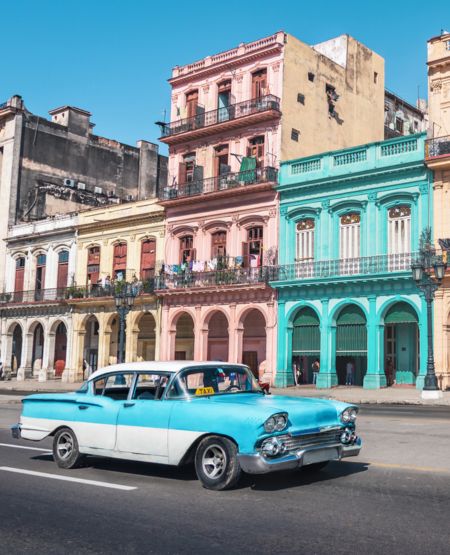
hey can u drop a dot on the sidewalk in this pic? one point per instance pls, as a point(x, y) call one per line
point(13, 391)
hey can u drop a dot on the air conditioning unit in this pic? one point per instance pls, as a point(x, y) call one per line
point(69, 182)
point(98, 190)
point(129, 198)
point(81, 185)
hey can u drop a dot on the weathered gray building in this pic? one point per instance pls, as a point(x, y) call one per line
point(58, 166)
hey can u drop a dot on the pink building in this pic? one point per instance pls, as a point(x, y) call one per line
point(226, 138)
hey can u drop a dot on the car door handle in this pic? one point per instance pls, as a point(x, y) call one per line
point(82, 407)
point(127, 405)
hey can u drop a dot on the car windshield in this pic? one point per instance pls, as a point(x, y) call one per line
point(214, 380)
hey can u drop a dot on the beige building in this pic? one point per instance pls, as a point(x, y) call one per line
point(115, 244)
point(438, 160)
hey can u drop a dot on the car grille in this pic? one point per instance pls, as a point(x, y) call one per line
point(296, 443)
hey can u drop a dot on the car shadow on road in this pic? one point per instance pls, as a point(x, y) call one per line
point(263, 482)
point(150, 470)
point(302, 477)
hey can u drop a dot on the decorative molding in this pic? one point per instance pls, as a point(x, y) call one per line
point(372, 197)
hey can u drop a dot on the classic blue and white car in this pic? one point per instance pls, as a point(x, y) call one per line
point(211, 413)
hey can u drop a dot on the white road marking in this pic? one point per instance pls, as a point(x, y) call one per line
point(25, 447)
point(66, 478)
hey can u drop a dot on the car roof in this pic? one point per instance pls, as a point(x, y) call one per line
point(171, 366)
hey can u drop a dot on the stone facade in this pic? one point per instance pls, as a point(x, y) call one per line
point(116, 244)
point(60, 166)
point(437, 157)
point(36, 321)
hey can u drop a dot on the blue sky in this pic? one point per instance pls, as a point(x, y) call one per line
point(113, 57)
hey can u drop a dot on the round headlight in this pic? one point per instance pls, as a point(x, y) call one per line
point(280, 422)
point(269, 424)
point(349, 415)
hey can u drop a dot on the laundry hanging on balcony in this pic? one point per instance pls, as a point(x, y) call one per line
point(248, 169)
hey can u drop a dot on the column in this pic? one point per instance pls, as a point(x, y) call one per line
point(200, 336)
point(423, 343)
point(25, 370)
point(131, 337)
point(104, 341)
point(235, 336)
point(284, 376)
point(327, 375)
point(69, 350)
point(375, 376)
point(48, 355)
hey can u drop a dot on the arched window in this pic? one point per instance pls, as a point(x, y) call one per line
point(399, 237)
point(305, 248)
point(219, 244)
point(120, 261)
point(187, 251)
point(399, 230)
point(349, 236)
point(148, 259)
point(41, 261)
point(259, 83)
point(305, 240)
point(63, 269)
point(252, 249)
point(19, 274)
point(93, 265)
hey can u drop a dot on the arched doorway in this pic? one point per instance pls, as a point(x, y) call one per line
point(60, 349)
point(254, 341)
point(38, 349)
point(351, 344)
point(218, 337)
point(401, 344)
point(90, 351)
point(146, 338)
point(305, 343)
point(184, 338)
point(16, 350)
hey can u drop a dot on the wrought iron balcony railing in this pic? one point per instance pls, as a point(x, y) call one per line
point(439, 146)
point(221, 115)
point(234, 276)
point(325, 269)
point(146, 287)
point(221, 183)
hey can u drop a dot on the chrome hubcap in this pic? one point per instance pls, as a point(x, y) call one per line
point(214, 461)
point(64, 446)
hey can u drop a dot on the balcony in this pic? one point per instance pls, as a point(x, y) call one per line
point(438, 148)
point(217, 186)
point(369, 267)
point(71, 294)
point(248, 112)
point(229, 277)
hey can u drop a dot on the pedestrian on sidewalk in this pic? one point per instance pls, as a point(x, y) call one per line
point(87, 370)
point(316, 370)
point(2, 371)
point(349, 374)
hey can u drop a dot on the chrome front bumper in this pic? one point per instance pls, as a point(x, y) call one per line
point(256, 463)
point(15, 431)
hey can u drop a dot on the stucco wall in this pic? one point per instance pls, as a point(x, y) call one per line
point(360, 106)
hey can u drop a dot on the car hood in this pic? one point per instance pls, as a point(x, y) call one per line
point(304, 413)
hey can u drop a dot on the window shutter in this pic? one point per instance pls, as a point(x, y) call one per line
point(63, 272)
point(18, 282)
point(182, 173)
point(245, 254)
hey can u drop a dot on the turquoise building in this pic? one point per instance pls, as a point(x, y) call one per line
point(350, 222)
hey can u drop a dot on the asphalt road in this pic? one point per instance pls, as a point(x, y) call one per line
point(393, 498)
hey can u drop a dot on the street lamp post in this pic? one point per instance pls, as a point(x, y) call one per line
point(124, 295)
point(428, 271)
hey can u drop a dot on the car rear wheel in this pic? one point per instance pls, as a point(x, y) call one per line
point(216, 463)
point(65, 449)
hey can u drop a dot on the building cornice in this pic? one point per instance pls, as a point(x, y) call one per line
point(129, 221)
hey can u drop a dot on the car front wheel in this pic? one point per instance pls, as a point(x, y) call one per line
point(216, 463)
point(65, 449)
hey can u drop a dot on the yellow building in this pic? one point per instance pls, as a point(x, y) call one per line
point(438, 159)
point(115, 244)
